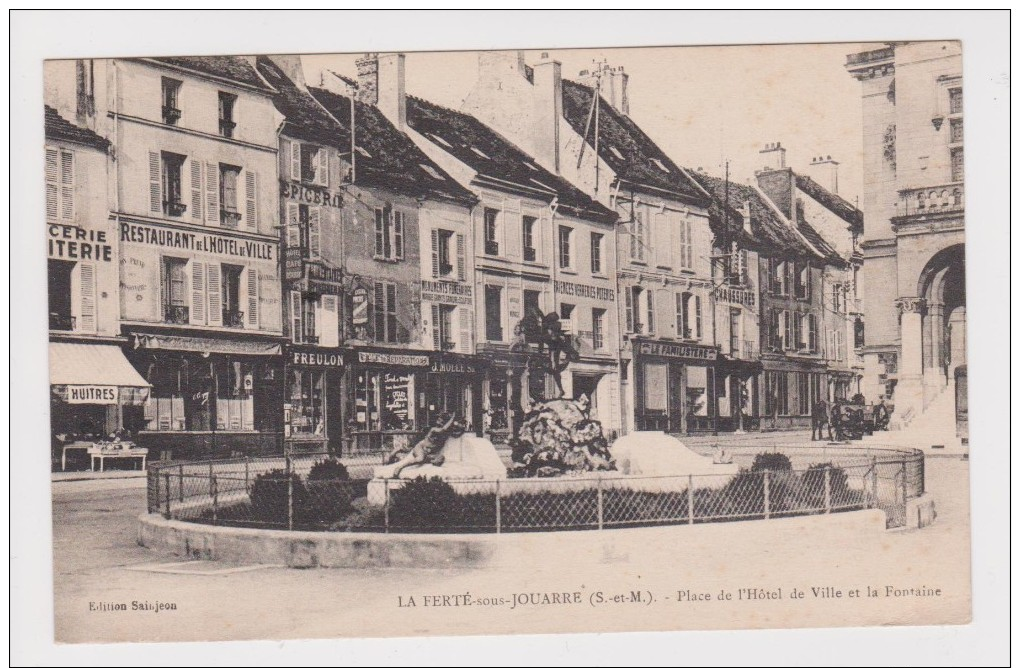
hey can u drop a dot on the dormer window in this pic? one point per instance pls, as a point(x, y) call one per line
point(363, 152)
point(428, 169)
point(614, 151)
point(479, 153)
point(440, 140)
point(658, 163)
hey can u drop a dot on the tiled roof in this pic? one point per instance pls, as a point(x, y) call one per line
point(817, 241)
point(231, 68)
point(305, 119)
point(833, 202)
point(387, 158)
point(498, 160)
point(769, 231)
point(60, 129)
point(631, 154)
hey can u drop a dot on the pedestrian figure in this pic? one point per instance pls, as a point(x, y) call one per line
point(819, 419)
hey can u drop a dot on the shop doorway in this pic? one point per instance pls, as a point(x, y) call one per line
point(586, 385)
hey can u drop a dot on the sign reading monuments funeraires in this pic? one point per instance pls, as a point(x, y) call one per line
point(446, 292)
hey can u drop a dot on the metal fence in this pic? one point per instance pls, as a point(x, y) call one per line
point(311, 492)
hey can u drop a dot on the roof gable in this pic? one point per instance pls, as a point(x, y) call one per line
point(228, 68)
point(831, 201)
point(57, 128)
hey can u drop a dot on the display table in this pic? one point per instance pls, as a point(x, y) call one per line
point(102, 454)
point(75, 445)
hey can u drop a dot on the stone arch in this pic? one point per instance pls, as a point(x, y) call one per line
point(942, 285)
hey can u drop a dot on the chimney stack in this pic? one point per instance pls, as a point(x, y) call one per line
point(614, 87)
point(291, 66)
point(825, 170)
point(773, 157)
point(381, 83)
point(547, 76)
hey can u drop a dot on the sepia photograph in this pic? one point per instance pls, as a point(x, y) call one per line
point(413, 342)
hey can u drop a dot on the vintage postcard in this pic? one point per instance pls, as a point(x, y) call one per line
point(485, 342)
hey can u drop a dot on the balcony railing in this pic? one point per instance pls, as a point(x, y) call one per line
point(932, 200)
point(869, 56)
point(530, 254)
point(310, 339)
point(174, 208)
point(745, 350)
point(61, 322)
point(227, 128)
point(491, 247)
point(230, 219)
point(176, 315)
point(171, 115)
point(232, 318)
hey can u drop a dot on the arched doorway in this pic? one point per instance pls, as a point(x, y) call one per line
point(943, 286)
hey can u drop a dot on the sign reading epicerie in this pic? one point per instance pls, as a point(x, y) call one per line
point(203, 242)
point(67, 242)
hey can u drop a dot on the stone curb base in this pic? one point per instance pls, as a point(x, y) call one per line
point(311, 549)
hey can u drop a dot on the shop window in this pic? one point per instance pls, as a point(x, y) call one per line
point(171, 169)
point(384, 401)
point(697, 391)
point(532, 302)
point(497, 412)
point(803, 393)
point(566, 248)
point(783, 393)
point(491, 224)
point(597, 241)
point(235, 402)
point(227, 123)
point(598, 326)
point(59, 184)
point(233, 316)
point(164, 411)
point(307, 398)
point(493, 313)
point(655, 382)
point(389, 233)
point(230, 214)
point(171, 89)
point(175, 291)
point(528, 226)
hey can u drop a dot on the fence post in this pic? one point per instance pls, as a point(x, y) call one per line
point(214, 490)
point(690, 499)
point(499, 510)
point(903, 480)
point(386, 505)
point(874, 481)
point(290, 495)
point(768, 508)
point(180, 482)
point(828, 490)
point(598, 489)
point(246, 474)
point(166, 477)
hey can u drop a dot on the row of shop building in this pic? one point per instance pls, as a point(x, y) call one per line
point(241, 261)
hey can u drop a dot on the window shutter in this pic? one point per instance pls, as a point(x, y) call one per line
point(293, 226)
point(788, 338)
point(295, 161)
point(251, 210)
point(807, 282)
point(650, 297)
point(88, 297)
point(812, 332)
point(296, 333)
point(322, 169)
point(197, 293)
point(676, 230)
point(679, 314)
point(435, 253)
point(628, 298)
point(379, 308)
point(52, 187)
point(461, 270)
point(214, 292)
point(380, 233)
point(465, 329)
point(661, 241)
point(252, 316)
point(67, 185)
point(391, 312)
point(155, 187)
point(798, 330)
point(791, 272)
point(697, 317)
point(329, 334)
point(196, 189)
point(314, 231)
point(398, 235)
point(437, 341)
point(212, 193)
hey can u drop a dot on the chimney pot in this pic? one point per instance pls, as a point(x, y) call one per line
point(545, 55)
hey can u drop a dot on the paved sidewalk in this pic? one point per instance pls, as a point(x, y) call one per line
point(71, 476)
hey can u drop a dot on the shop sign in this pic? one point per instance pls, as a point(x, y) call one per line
point(301, 193)
point(67, 242)
point(319, 272)
point(317, 358)
point(452, 366)
point(359, 312)
point(588, 291)
point(446, 292)
point(392, 359)
point(202, 242)
point(91, 394)
point(294, 264)
point(685, 351)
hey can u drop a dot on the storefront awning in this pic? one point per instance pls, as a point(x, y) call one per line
point(194, 344)
point(92, 364)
